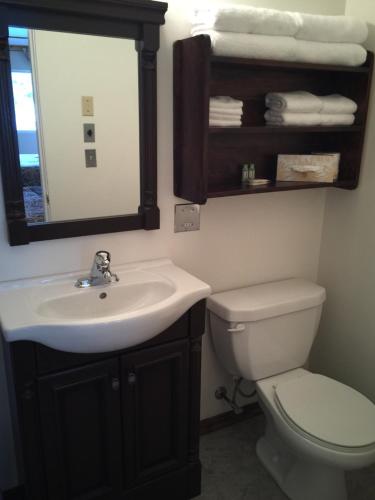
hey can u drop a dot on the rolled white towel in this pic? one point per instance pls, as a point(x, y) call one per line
point(224, 123)
point(286, 118)
point(225, 102)
point(284, 48)
point(226, 110)
point(336, 119)
point(342, 29)
point(337, 104)
point(345, 54)
point(224, 116)
point(247, 19)
point(294, 102)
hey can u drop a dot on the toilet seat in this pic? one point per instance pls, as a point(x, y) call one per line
point(327, 412)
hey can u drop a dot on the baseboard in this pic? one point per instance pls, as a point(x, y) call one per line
point(17, 493)
point(229, 418)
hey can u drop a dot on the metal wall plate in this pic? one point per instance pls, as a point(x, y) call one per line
point(89, 132)
point(90, 156)
point(186, 217)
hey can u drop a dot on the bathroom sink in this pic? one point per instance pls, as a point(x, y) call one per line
point(95, 303)
point(146, 300)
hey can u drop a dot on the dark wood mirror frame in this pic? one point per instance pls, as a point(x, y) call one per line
point(135, 19)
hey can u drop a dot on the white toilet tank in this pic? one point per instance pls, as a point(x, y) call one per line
point(266, 329)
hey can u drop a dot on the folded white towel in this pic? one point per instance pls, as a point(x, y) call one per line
point(225, 123)
point(286, 118)
point(345, 54)
point(332, 29)
point(247, 19)
point(226, 110)
point(336, 119)
point(281, 48)
point(307, 119)
point(294, 102)
point(224, 116)
point(226, 102)
point(337, 104)
point(261, 21)
point(284, 48)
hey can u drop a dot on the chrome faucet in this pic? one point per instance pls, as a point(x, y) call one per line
point(100, 272)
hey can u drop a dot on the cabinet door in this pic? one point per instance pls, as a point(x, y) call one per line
point(81, 431)
point(155, 410)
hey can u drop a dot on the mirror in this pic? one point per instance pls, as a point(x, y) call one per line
point(53, 74)
point(78, 116)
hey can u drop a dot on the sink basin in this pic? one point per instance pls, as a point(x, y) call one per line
point(96, 304)
point(147, 299)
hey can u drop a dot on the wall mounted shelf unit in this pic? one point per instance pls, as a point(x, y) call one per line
point(207, 160)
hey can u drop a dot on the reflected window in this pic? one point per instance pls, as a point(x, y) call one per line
point(24, 101)
point(22, 83)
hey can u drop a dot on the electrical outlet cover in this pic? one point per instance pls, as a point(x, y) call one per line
point(90, 157)
point(89, 132)
point(87, 105)
point(186, 217)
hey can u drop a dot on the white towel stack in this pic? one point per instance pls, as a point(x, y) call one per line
point(243, 31)
point(225, 112)
point(301, 108)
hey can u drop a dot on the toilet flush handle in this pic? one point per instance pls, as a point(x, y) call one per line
point(240, 327)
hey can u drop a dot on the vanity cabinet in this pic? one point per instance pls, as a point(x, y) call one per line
point(108, 426)
point(208, 160)
point(80, 413)
point(155, 386)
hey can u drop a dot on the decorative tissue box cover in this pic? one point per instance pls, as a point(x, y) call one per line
point(308, 168)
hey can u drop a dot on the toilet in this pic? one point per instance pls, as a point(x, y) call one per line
point(316, 427)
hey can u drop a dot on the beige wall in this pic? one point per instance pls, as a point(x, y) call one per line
point(243, 240)
point(69, 66)
point(345, 348)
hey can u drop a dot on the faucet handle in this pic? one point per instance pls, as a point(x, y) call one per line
point(103, 254)
point(102, 261)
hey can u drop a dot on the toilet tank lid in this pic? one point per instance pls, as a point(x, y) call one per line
point(257, 302)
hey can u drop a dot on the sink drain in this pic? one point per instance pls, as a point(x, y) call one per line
point(103, 295)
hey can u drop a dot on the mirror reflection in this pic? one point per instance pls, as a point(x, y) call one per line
point(77, 118)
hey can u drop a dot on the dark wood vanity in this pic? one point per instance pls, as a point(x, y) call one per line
point(109, 426)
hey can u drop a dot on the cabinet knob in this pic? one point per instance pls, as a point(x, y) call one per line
point(132, 378)
point(115, 384)
point(28, 394)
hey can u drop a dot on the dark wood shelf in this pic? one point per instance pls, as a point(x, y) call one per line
point(264, 63)
point(207, 160)
point(284, 129)
point(225, 190)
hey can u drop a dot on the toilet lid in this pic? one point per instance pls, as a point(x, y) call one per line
point(328, 410)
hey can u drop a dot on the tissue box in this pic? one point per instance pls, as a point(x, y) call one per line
point(308, 168)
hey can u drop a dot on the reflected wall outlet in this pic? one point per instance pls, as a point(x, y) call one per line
point(89, 132)
point(186, 217)
point(90, 157)
point(87, 105)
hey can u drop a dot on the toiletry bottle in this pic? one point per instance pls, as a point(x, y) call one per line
point(251, 172)
point(245, 174)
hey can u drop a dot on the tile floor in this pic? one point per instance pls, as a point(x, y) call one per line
point(231, 470)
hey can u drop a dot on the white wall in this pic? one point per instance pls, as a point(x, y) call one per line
point(68, 67)
point(243, 240)
point(345, 348)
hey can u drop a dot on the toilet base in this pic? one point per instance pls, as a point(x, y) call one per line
point(298, 478)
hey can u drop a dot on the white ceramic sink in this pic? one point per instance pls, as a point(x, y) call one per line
point(148, 298)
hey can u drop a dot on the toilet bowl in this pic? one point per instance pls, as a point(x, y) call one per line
point(316, 427)
point(310, 440)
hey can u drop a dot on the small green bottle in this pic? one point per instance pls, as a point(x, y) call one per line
point(245, 174)
point(251, 175)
